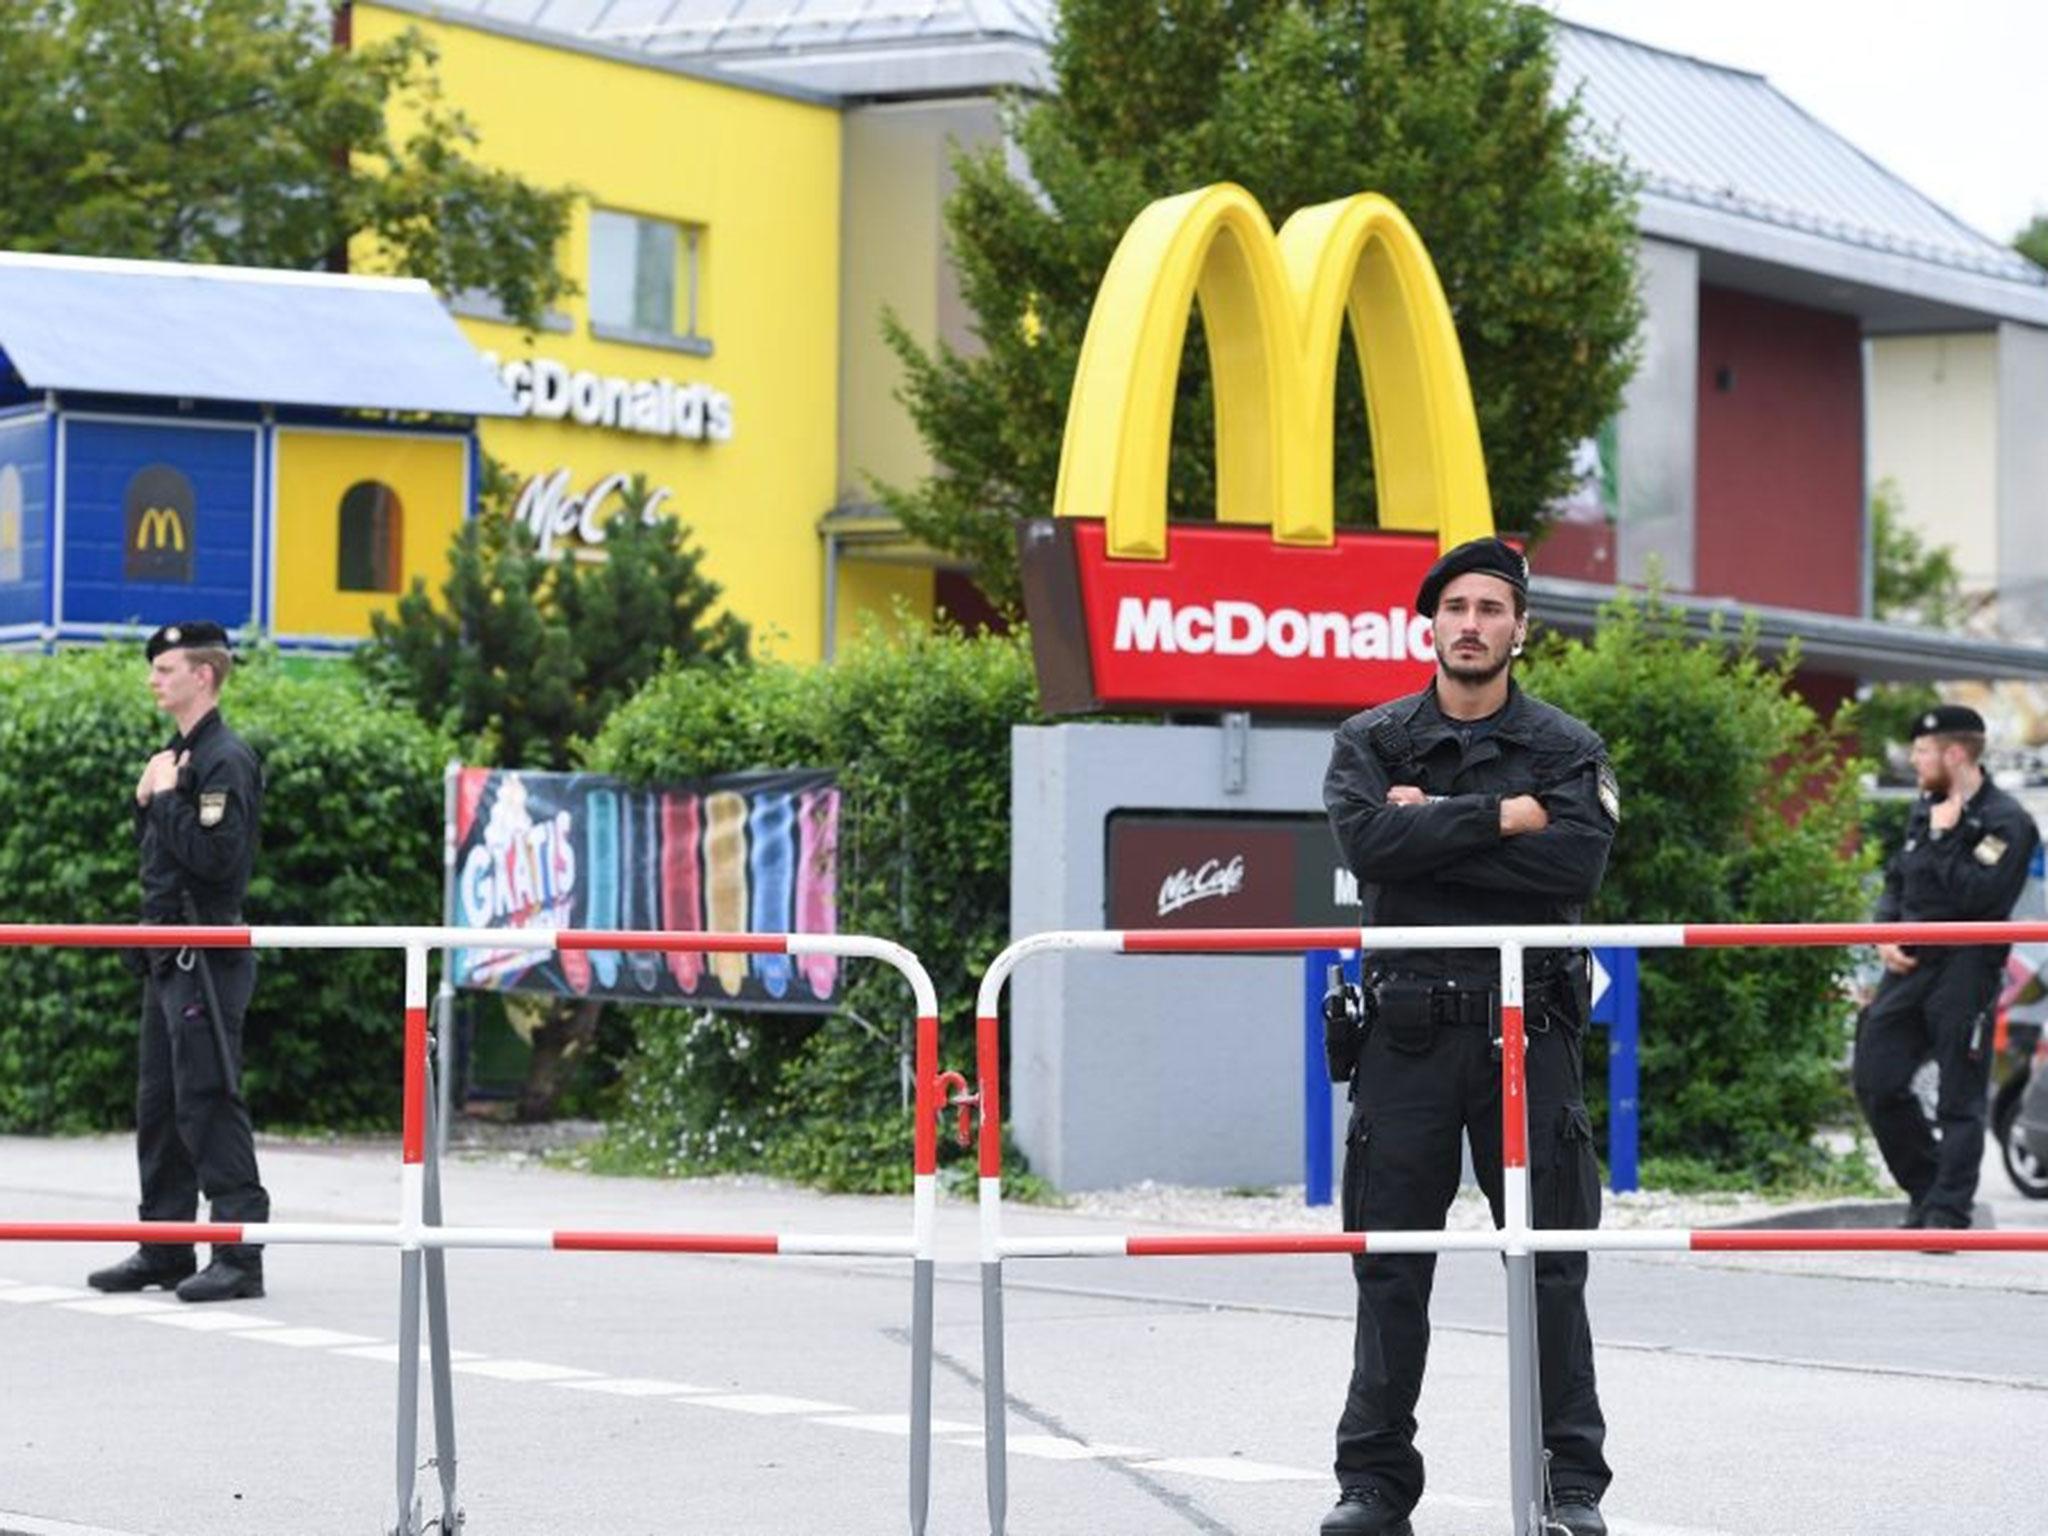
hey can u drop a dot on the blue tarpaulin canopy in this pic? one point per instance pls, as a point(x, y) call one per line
point(168, 331)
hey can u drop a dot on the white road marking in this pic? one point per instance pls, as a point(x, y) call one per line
point(954, 1432)
point(307, 1338)
point(893, 1424)
point(209, 1322)
point(388, 1353)
point(119, 1306)
point(520, 1370)
point(634, 1386)
point(765, 1403)
point(30, 1525)
point(1234, 1469)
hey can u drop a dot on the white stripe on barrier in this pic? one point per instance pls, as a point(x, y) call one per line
point(844, 1243)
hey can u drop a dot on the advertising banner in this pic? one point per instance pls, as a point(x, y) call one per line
point(743, 853)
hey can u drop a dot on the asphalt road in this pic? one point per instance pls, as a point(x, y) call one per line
point(663, 1394)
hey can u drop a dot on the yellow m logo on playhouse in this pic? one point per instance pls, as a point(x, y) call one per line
point(1305, 618)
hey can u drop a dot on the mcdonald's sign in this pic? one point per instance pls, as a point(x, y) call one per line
point(160, 507)
point(1269, 607)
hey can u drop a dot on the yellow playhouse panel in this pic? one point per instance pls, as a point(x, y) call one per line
point(358, 516)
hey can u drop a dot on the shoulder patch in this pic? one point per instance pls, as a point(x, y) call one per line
point(213, 808)
point(1989, 850)
point(1610, 793)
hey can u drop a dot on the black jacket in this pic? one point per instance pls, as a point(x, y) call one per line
point(1446, 862)
point(201, 837)
point(1972, 873)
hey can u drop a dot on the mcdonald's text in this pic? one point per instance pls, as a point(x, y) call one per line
point(1228, 620)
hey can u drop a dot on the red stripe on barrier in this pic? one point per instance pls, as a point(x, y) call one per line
point(674, 943)
point(120, 1232)
point(115, 936)
point(925, 1144)
point(1514, 1110)
point(667, 1242)
point(1173, 941)
point(1726, 935)
point(1793, 1240)
point(988, 1067)
point(1264, 1242)
point(415, 1138)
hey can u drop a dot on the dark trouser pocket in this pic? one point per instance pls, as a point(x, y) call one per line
point(1357, 1174)
point(1571, 1196)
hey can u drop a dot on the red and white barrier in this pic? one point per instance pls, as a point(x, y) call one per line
point(416, 1237)
point(1516, 1240)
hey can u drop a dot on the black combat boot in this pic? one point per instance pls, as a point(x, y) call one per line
point(1577, 1510)
point(1365, 1511)
point(163, 1264)
point(233, 1274)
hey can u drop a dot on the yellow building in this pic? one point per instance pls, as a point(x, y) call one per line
point(703, 348)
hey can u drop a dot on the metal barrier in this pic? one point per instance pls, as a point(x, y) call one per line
point(1516, 1241)
point(419, 1234)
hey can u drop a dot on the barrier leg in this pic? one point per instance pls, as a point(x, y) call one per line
point(1525, 1399)
point(920, 1394)
point(1526, 1502)
point(408, 1389)
point(436, 1267)
point(995, 1399)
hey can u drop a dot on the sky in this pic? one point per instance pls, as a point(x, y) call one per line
point(1946, 94)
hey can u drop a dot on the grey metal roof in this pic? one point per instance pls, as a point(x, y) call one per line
point(1727, 140)
point(1729, 164)
point(165, 330)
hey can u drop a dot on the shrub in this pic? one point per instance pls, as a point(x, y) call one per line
point(351, 834)
point(918, 730)
point(1738, 805)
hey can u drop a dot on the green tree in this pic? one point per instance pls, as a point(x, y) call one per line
point(1738, 805)
point(2032, 242)
point(525, 657)
point(233, 131)
point(1443, 105)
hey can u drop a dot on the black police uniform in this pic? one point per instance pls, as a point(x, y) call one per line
point(1414, 1096)
point(192, 1129)
point(1943, 1007)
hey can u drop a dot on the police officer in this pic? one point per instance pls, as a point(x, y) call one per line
point(198, 806)
point(1467, 803)
point(1967, 850)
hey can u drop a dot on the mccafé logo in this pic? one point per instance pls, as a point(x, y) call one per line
point(1127, 613)
point(1213, 880)
point(551, 511)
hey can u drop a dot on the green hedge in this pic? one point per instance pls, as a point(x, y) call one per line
point(918, 730)
point(1738, 805)
point(351, 835)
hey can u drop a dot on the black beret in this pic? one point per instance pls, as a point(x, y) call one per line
point(1489, 557)
point(202, 633)
point(1948, 720)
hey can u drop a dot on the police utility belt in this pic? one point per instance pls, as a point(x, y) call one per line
point(1409, 1010)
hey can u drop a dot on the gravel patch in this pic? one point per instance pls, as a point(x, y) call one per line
point(1282, 1208)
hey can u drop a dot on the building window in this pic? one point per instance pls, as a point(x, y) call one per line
point(372, 537)
point(646, 281)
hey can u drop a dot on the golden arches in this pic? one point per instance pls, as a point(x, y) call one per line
point(1273, 308)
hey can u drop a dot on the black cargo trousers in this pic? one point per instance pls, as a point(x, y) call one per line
point(191, 1134)
point(1402, 1163)
point(1944, 1009)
